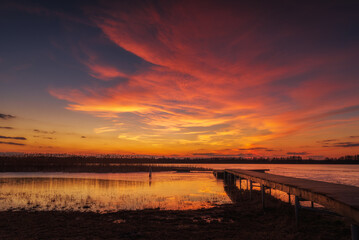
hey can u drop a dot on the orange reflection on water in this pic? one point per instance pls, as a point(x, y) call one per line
point(108, 193)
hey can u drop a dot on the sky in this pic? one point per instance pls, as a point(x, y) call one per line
point(180, 78)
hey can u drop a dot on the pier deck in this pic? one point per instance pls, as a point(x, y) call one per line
point(342, 199)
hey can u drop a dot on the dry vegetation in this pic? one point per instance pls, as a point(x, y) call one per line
point(246, 220)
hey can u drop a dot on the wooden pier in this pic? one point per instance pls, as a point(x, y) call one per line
point(220, 173)
point(339, 198)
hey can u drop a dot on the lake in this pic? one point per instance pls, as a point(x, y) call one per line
point(110, 192)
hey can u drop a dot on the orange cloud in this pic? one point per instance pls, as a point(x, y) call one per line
point(221, 76)
point(105, 72)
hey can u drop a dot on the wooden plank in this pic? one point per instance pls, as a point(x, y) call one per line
point(343, 199)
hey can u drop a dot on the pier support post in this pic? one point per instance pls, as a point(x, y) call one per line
point(289, 198)
point(311, 204)
point(231, 179)
point(250, 189)
point(263, 193)
point(247, 184)
point(296, 210)
point(355, 232)
point(240, 183)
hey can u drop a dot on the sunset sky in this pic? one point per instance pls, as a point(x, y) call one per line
point(180, 78)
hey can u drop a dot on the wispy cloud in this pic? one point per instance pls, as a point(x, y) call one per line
point(330, 143)
point(105, 129)
point(326, 141)
point(346, 144)
point(9, 128)
point(15, 138)
point(44, 132)
point(12, 143)
point(6, 116)
point(43, 137)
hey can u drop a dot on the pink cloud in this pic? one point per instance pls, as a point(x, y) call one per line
point(214, 64)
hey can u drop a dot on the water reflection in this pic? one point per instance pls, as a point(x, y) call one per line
point(101, 193)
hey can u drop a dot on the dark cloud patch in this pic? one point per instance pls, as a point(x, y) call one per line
point(326, 141)
point(12, 143)
point(15, 138)
point(6, 116)
point(346, 144)
point(223, 155)
point(342, 144)
point(9, 128)
point(297, 153)
point(50, 138)
point(257, 148)
point(44, 132)
point(83, 136)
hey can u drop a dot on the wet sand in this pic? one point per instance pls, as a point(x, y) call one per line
point(245, 220)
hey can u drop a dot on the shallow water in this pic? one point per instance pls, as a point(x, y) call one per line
point(109, 192)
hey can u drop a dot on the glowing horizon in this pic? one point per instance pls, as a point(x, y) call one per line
point(180, 78)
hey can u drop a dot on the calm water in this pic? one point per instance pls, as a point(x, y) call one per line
point(109, 192)
point(101, 192)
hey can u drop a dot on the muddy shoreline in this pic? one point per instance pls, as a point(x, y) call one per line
point(244, 220)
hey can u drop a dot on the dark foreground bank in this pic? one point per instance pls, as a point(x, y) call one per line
point(246, 220)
